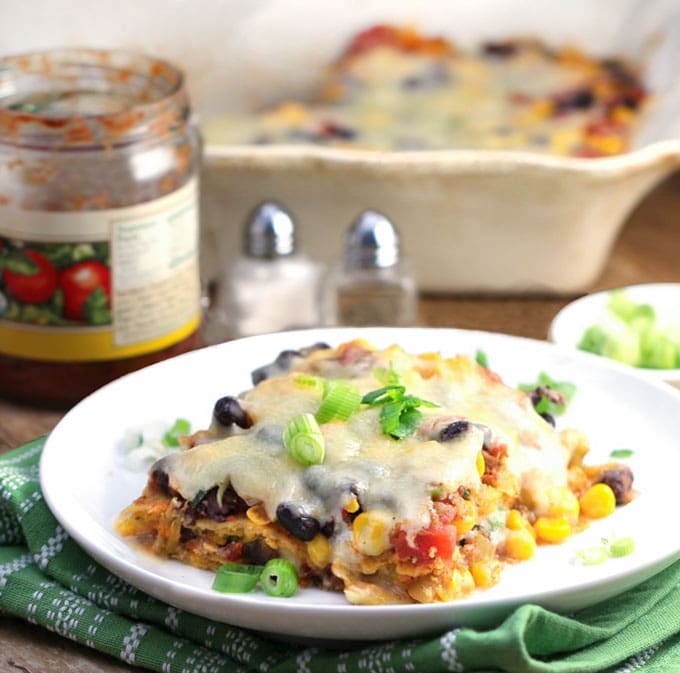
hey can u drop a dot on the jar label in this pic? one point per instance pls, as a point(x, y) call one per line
point(99, 285)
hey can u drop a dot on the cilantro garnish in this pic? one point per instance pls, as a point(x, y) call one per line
point(399, 415)
point(621, 453)
point(481, 358)
point(180, 427)
point(548, 395)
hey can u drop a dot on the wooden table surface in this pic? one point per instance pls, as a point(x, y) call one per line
point(648, 250)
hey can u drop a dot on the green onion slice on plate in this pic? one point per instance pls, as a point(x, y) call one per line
point(279, 578)
point(304, 440)
point(339, 402)
point(236, 578)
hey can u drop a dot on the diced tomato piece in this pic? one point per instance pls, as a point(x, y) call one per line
point(436, 542)
point(371, 38)
point(603, 127)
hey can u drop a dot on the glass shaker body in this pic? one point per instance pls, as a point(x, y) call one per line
point(364, 297)
point(269, 295)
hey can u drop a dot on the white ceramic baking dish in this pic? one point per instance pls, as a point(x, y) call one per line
point(471, 221)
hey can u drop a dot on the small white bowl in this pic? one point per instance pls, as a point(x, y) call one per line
point(571, 322)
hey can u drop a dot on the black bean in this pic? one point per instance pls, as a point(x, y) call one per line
point(228, 411)
point(257, 552)
point(285, 358)
point(283, 362)
point(620, 480)
point(578, 100)
point(231, 503)
point(500, 49)
point(186, 534)
point(161, 480)
point(549, 418)
point(330, 129)
point(328, 528)
point(299, 525)
point(261, 373)
point(453, 430)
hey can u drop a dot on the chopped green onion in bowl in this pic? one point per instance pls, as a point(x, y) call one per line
point(631, 333)
point(638, 326)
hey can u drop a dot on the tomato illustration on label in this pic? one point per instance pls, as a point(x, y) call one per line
point(87, 291)
point(55, 283)
point(35, 281)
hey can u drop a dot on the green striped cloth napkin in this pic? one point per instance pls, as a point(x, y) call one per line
point(48, 580)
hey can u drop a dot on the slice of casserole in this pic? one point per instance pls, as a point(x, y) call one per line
point(475, 478)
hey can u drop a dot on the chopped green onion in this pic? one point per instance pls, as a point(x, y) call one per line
point(592, 556)
point(631, 333)
point(339, 402)
point(236, 578)
point(279, 578)
point(196, 500)
point(623, 546)
point(180, 427)
point(309, 381)
point(621, 453)
point(304, 440)
point(481, 358)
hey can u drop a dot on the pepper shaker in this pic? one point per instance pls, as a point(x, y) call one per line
point(271, 286)
point(372, 284)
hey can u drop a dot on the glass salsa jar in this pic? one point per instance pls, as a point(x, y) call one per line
point(98, 220)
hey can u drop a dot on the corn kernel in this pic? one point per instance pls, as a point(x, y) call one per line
point(543, 108)
point(291, 113)
point(515, 520)
point(563, 503)
point(486, 573)
point(481, 465)
point(319, 551)
point(598, 501)
point(466, 518)
point(258, 515)
point(608, 144)
point(520, 544)
point(351, 506)
point(622, 114)
point(371, 532)
point(462, 580)
point(553, 531)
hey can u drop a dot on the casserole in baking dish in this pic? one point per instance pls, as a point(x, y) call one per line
point(471, 220)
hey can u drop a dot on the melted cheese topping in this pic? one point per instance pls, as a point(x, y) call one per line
point(395, 476)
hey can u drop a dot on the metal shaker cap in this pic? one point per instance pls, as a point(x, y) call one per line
point(269, 232)
point(372, 242)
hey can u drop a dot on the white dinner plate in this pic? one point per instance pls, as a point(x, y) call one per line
point(86, 484)
point(569, 325)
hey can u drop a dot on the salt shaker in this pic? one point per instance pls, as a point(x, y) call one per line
point(371, 285)
point(271, 286)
